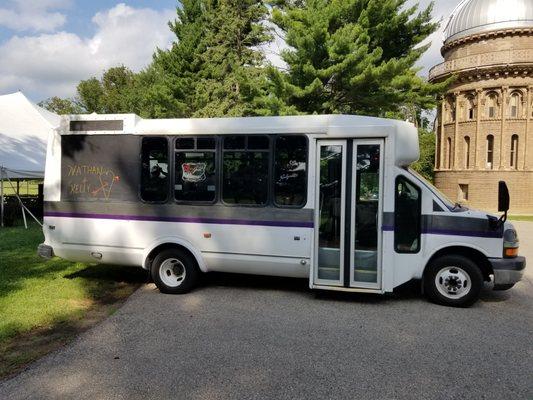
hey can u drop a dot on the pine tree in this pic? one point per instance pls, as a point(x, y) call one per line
point(351, 56)
point(232, 76)
point(169, 83)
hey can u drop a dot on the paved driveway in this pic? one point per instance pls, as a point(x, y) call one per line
point(262, 338)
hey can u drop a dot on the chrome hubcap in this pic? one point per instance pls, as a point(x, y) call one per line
point(453, 282)
point(172, 272)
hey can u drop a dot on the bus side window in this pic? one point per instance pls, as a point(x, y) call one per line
point(407, 216)
point(196, 169)
point(290, 171)
point(154, 169)
point(245, 170)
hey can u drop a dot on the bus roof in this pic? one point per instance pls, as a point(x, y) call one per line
point(326, 126)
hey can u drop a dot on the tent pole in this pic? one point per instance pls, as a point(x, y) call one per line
point(24, 217)
point(1, 196)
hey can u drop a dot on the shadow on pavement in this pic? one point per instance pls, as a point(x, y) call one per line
point(407, 291)
point(112, 273)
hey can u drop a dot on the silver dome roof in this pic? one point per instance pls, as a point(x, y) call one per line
point(478, 16)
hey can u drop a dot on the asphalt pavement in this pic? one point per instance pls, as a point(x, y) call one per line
point(246, 337)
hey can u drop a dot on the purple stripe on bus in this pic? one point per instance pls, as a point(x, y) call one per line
point(451, 232)
point(289, 224)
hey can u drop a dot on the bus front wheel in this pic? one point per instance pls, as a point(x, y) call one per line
point(174, 271)
point(453, 280)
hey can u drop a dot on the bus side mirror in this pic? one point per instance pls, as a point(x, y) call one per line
point(503, 206)
point(503, 197)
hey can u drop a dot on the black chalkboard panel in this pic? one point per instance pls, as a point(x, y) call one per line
point(100, 168)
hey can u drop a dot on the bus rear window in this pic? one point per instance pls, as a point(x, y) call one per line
point(154, 171)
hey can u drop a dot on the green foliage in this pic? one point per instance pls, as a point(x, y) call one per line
point(351, 56)
point(90, 95)
point(169, 82)
point(231, 74)
point(214, 67)
point(116, 92)
point(424, 166)
point(60, 106)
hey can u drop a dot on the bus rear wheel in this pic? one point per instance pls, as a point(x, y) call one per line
point(174, 271)
point(453, 280)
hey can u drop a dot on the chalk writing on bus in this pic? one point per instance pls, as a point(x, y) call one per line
point(94, 181)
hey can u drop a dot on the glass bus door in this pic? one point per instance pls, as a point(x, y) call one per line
point(348, 213)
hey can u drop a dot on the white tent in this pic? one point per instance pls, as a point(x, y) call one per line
point(24, 130)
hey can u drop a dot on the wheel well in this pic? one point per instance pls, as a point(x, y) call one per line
point(166, 246)
point(475, 255)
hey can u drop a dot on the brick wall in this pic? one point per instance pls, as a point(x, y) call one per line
point(483, 188)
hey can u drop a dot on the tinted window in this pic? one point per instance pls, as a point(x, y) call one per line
point(195, 173)
point(258, 143)
point(245, 172)
point(185, 143)
point(154, 172)
point(407, 217)
point(290, 171)
point(235, 142)
point(206, 143)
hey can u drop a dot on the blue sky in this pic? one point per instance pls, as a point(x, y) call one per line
point(48, 46)
point(79, 13)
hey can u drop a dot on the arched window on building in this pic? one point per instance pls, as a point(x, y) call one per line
point(514, 151)
point(492, 105)
point(450, 110)
point(449, 154)
point(490, 151)
point(470, 108)
point(467, 152)
point(514, 105)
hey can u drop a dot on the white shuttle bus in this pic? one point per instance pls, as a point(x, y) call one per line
point(326, 197)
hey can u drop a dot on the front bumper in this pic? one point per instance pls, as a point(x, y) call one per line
point(45, 251)
point(508, 271)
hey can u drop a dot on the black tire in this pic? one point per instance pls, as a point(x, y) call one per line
point(453, 268)
point(175, 263)
point(503, 287)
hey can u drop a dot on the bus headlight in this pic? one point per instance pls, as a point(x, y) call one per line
point(510, 243)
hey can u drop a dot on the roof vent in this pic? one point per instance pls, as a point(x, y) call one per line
point(109, 125)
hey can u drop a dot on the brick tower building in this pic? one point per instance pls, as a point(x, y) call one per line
point(485, 120)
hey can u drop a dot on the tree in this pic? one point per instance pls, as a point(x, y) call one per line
point(351, 56)
point(215, 67)
point(171, 79)
point(60, 106)
point(232, 77)
point(90, 95)
point(116, 92)
point(425, 164)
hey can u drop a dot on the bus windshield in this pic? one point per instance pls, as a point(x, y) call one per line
point(452, 206)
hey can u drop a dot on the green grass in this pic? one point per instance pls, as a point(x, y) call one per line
point(42, 302)
point(521, 218)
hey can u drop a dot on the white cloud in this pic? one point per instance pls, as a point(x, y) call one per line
point(33, 15)
point(53, 64)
